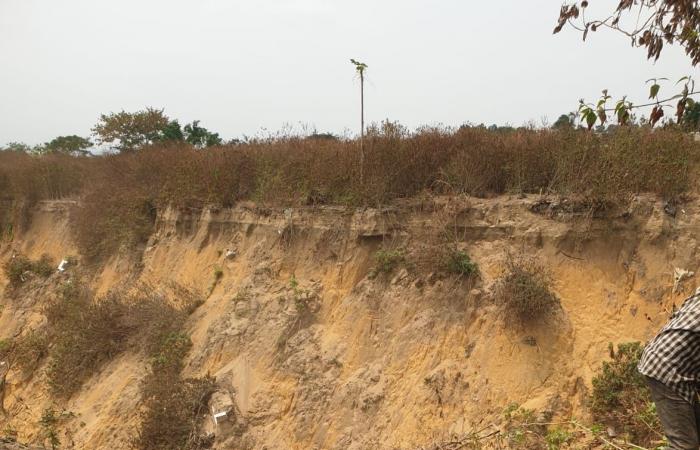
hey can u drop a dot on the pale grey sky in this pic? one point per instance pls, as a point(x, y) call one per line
point(239, 66)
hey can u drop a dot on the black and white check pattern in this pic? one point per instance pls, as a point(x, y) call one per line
point(673, 356)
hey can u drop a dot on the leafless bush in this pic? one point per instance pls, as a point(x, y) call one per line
point(524, 291)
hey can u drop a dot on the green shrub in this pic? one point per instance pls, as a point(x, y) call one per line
point(459, 263)
point(388, 260)
point(621, 398)
point(17, 268)
point(5, 346)
point(521, 428)
point(49, 423)
point(524, 291)
point(44, 266)
point(172, 350)
point(556, 437)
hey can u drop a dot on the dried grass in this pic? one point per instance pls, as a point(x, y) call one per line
point(121, 193)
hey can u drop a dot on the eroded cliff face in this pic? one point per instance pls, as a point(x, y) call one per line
point(313, 349)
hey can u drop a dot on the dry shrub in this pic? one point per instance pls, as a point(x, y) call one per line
point(174, 407)
point(121, 193)
point(443, 249)
point(86, 333)
point(621, 398)
point(524, 290)
point(26, 179)
point(30, 350)
point(19, 268)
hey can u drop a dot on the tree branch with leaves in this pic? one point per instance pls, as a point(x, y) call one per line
point(590, 114)
point(657, 23)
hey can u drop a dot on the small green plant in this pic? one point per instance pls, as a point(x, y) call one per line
point(388, 260)
point(49, 422)
point(172, 350)
point(524, 291)
point(293, 283)
point(5, 345)
point(6, 232)
point(302, 297)
point(621, 398)
point(459, 263)
point(556, 437)
point(522, 431)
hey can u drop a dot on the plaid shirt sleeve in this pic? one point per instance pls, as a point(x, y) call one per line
point(673, 356)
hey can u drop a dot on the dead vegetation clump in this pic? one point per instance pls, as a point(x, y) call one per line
point(29, 350)
point(524, 291)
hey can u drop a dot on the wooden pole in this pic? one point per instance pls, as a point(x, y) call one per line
point(362, 125)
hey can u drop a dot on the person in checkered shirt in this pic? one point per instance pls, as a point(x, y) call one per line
point(671, 365)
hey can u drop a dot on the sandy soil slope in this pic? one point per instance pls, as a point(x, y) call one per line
point(387, 361)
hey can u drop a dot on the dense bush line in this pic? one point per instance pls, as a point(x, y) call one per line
point(120, 193)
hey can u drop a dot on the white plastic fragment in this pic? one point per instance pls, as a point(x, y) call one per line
point(62, 266)
point(679, 275)
point(217, 416)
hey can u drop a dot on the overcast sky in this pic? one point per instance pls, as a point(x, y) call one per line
point(245, 66)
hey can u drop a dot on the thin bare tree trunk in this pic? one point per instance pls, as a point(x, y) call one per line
point(362, 127)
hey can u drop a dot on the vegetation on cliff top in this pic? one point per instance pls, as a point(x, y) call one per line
point(120, 193)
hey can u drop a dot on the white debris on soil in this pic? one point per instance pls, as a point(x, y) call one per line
point(63, 265)
point(679, 275)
